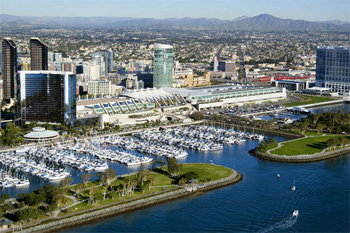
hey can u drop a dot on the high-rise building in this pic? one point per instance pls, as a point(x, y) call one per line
point(215, 64)
point(38, 54)
point(99, 60)
point(333, 68)
point(163, 65)
point(48, 96)
point(108, 59)
point(9, 69)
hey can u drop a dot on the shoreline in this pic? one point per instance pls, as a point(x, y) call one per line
point(299, 158)
point(103, 212)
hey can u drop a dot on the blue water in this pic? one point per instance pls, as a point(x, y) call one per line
point(330, 108)
point(260, 202)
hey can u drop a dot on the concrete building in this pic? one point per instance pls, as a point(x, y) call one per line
point(332, 68)
point(38, 54)
point(48, 96)
point(99, 87)
point(9, 69)
point(163, 66)
point(68, 66)
point(91, 71)
point(227, 66)
point(293, 85)
point(187, 79)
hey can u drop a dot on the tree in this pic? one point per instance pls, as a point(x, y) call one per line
point(320, 127)
point(315, 118)
point(34, 199)
point(101, 176)
point(78, 188)
point(331, 142)
point(174, 169)
point(197, 116)
point(59, 196)
point(91, 196)
point(302, 126)
point(104, 191)
point(85, 177)
point(11, 135)
point(66, 182)
point(110, 175)
point(190, 175)
point(142, 176)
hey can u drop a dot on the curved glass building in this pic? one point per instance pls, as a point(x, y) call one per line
point(163, 66)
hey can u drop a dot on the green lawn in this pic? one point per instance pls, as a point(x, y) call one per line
point(206, 172)
point(309, 145)
point(312, 100)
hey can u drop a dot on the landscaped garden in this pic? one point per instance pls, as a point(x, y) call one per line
point(106, 190)
point(308, 145)
point(308, 99)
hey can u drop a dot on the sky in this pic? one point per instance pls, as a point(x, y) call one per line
point(312, 10)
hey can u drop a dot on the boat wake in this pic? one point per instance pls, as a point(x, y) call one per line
point(284, 224)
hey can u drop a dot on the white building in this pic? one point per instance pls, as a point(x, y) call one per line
point(99, 87)
point(91, 71)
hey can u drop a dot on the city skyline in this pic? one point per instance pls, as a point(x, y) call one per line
point(311, 10)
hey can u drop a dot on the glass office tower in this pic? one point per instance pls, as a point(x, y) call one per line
point(333, 68)
point(163, 66)
point(38, 54)
point(9, 69)
point(48, 96)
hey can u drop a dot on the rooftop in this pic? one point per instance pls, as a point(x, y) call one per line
point(40, 134)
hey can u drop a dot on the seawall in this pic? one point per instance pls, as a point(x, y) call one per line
point(102, 213)
point(300, 158)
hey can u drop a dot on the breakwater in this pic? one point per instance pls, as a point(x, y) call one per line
point(300, 158)
point(108, 211)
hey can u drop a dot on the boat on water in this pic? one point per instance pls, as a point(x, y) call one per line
point(22, 183)
point(293, 188)
point(295, 213)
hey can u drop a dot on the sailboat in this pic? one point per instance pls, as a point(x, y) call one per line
point(293, 188)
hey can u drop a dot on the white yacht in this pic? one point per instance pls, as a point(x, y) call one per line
point(295, 213)
point(22, 183)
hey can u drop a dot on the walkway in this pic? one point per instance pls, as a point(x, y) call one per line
point(75, 202)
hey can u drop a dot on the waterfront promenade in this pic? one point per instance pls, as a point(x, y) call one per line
point(55, 223)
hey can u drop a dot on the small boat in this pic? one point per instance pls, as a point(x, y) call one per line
point(278, 175)
point(295, 213)
point(293, 188)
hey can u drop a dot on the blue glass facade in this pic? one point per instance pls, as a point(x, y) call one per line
point(333, 68)
point(163, 66)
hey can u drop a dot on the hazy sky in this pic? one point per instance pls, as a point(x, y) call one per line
point(313, 10)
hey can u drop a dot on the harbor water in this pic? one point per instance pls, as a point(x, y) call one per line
point(261, 202)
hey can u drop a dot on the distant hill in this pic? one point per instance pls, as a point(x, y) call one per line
point(263, 22)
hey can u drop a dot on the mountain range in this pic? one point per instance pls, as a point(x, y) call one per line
point(263, 22)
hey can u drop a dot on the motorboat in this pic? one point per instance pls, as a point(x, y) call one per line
point(293, 188)
point(295, 213)
point(22, 183)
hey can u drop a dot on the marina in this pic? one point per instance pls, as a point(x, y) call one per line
point(317, 182)
point(51, 163)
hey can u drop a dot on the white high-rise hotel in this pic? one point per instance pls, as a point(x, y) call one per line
point(333, 68)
